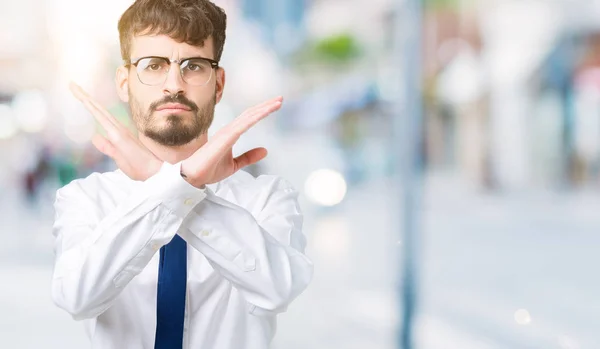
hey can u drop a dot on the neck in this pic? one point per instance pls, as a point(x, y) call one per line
point(175, 154)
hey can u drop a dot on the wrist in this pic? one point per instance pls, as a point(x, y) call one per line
point(185, 174)
point(153, 168)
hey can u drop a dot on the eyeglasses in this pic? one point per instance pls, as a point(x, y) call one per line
point(153, 70)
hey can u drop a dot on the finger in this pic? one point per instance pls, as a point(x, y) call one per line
point(108, 115)
point(263, 104)
point(250, 157)
point(108, 149)
point(104, 145)
point(82, 95)
point(84, 98)
point(258, 107)
point(226, 137)
point(245, 123)
point(105, 119)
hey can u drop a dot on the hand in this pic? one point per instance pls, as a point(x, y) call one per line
point(214, 161)
point(131, 156)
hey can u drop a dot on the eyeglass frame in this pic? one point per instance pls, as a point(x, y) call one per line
point(214, 64)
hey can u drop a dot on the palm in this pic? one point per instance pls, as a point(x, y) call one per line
point(223, 167)
point(130, 155)
point(214, 161)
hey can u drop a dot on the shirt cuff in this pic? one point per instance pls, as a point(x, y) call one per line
point(175, 192)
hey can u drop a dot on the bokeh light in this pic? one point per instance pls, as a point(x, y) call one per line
point(8, 125)
point(325, 187)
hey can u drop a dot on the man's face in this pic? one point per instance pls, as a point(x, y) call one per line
point(172, 113)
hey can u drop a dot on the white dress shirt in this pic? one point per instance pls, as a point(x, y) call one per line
point(246, 259)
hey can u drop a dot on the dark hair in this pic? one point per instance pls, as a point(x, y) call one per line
point(189, 21)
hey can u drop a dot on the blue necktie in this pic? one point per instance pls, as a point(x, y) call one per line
point(170, 302)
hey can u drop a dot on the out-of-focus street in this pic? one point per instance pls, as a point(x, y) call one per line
point(506, 156)
point(499, 271)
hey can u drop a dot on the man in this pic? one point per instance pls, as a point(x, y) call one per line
point(177, 248)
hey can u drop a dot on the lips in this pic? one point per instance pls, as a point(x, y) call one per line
point(174, 106)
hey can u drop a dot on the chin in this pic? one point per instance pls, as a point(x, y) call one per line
point(174, 112)
point(177, 117)
point(170, 120)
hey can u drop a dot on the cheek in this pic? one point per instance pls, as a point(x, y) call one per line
point(142, 99)
point(205, 96)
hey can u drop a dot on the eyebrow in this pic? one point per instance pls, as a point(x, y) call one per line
point(181, 59)
point(135, 60)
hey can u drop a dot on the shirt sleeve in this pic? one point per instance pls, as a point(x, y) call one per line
point(98, 254)
point(260, 252)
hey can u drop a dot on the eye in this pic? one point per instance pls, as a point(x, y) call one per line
point(195, 67)
point(152, 64)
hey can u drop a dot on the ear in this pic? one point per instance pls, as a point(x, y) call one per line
point(122, 83)
point(220, 85)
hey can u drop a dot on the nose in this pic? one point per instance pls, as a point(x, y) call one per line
point(174, 83)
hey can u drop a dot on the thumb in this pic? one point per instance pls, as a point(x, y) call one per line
point(250, 157)
point(104, 145)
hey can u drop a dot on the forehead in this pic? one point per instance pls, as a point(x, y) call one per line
point(165, 46)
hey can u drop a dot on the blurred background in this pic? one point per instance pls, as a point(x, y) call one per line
point(488, 238)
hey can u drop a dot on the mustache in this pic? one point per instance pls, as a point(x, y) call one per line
point(181, 99)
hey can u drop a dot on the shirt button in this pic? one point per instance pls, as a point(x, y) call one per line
point(155, 246)
point(205, 233)
point(189, 202)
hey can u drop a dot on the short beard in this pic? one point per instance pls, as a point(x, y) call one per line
point(177, 131)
